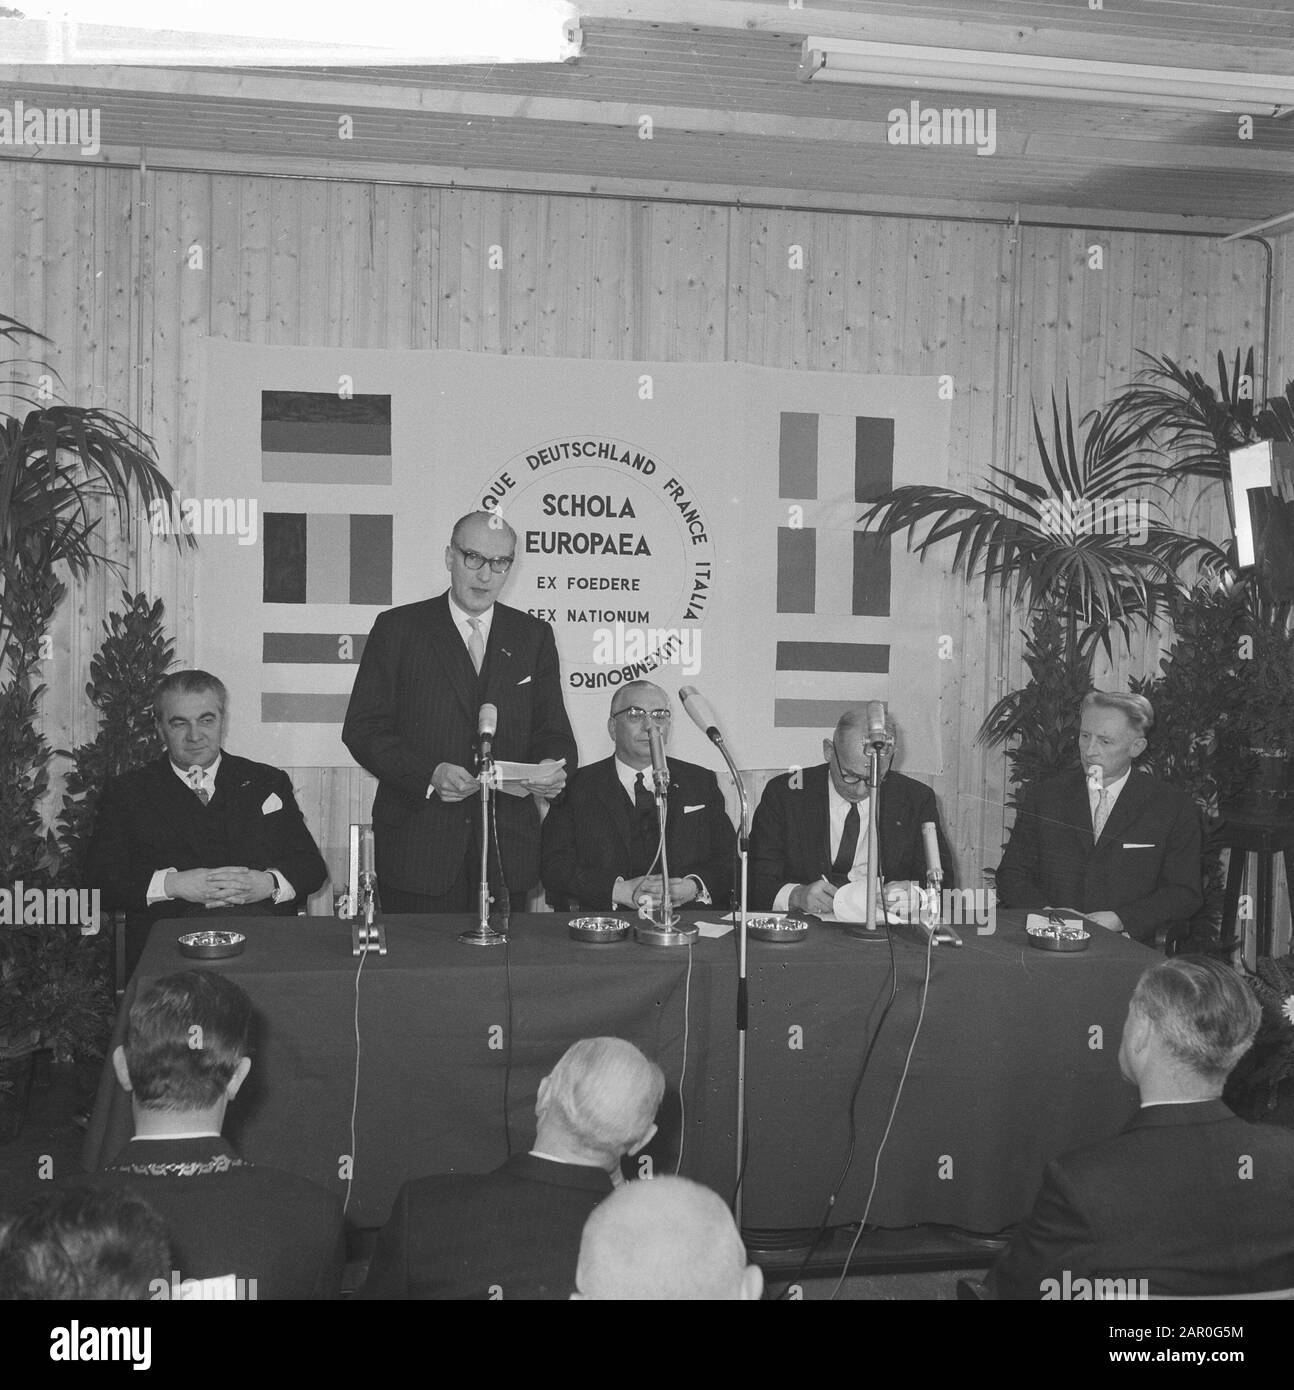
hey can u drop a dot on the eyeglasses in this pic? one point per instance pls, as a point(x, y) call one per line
point(499, 564)
point(639, 715)
point(852, 779)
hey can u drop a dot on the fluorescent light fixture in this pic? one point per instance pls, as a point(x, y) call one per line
point(386, 32)
point(1258, 468)
point(1029, 75)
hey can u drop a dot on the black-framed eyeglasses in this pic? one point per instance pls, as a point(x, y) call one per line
point(499, 564)
point(639, 715)
point(852, 779)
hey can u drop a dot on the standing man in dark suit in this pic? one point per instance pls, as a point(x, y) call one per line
point(1189, 1197)
point(601, 836)
point(413, 718)
point(1109, 841)
point(185, 1058)
point(199, 833)
point(515, 1233)
point(809, 835)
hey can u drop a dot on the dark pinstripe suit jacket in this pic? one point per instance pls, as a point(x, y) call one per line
point(415, 704)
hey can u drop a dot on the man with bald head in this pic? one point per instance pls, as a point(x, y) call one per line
point(413, 722)
point(601, 837)
point(809, 835)
point(665, 1239)
point(515, 1233)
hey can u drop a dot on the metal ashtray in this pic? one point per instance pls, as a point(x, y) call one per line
point(598, 930)
point(212, 945)
point(777, 927)
point(1058, 937)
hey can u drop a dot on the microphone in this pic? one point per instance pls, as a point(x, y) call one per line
point(934, 866)
point(486, 724)
point(659, 767)
point(701, 714)
point(877, 734)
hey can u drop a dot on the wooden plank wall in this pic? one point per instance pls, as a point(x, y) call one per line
point(99, 259)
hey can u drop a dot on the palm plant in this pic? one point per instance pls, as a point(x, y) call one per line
point(1063, 549)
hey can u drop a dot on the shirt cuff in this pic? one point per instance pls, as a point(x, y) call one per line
point(284, 892)
point(782, 903)
point(703, 893)
point(157, 887)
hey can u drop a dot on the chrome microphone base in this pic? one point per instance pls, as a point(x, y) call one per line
point(482, 936)
point(665, 933)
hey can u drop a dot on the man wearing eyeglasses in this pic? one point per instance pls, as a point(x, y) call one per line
point(601, 838)
point(413, 717)
point(810, 832)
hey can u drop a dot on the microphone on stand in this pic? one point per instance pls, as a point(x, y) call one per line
point(934, 865)
point(486, 724)
point(877, 734)
point(701, 714)
point(659, 767)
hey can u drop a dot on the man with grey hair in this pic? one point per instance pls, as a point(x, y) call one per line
point(515, 1233)
point(665, 1239)
point(199, 833)
point(1107, 840)
point(809, 835)
point(1189, 1197)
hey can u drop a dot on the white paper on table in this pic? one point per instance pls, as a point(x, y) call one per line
point(508, 777)
point(714, 929)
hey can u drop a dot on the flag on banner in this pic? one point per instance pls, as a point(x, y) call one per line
point(829, 467)
point(321, 438)
point(326, 557)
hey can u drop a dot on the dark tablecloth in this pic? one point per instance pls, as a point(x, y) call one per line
point(1016, 1059)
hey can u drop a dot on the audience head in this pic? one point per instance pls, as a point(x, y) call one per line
point(189, 707)
point(629, 731)
point(598, 1103)
point(79, 1243)
point(849, 758)
point(477, 539)
point(186, 1045)
point(1112, 731)
point(1190, 1020)
point(666, 1238)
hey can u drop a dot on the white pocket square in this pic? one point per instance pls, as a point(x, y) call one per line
point(1128, 845)
point(700, 807)
point(271, 803)
point(525, 680)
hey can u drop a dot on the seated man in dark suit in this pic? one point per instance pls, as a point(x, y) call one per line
point(199, 832)
point(809, 834)
point(600, 839)
point(668, 1239)
point(515, 1233)
point(237, 1229)
point(79, 1243)
point(1109, 841)
point(1188, 1197)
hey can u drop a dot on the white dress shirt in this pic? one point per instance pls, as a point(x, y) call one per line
point(1112, 795)
point(837, 810)
point(462, 619)
point(628, 780)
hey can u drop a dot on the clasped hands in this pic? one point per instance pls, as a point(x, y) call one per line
point(453, 783)
point(231, 886)
point(629, 892)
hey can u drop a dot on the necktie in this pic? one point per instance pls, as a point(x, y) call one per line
point(195, 781)
point(644, 801)
point(476, 644)
point(1101, 814)
point(844, 860)
point(645, 831)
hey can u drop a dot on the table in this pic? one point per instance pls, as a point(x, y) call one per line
point(1016, 1060)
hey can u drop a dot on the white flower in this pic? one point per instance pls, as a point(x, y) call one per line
point(1287, 1008)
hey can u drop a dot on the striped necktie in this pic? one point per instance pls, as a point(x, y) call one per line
point(1101, 814)
point(476, 644)
point(195, 781)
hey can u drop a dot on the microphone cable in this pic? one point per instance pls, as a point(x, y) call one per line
point(898, 1092)
point(354, 1096)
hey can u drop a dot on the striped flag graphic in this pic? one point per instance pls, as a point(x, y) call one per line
point(318, 437)
point(830, 467)
point(327, 557)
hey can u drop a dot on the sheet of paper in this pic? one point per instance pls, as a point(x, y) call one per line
point(508, 777)
point(714, 930)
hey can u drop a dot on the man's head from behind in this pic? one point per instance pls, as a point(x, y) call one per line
point(186, 1047)
point(666, 1238)
point(598, 1103)
point(1190, 1020)
point(81, 1243)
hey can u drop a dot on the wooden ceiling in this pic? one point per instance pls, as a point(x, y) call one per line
point(729, 120)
